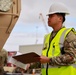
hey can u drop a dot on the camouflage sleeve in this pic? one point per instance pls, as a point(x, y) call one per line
point(69, 56)
point(35, 65)
point(6, 58)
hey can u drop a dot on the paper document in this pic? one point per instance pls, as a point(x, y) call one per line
point(17, 63)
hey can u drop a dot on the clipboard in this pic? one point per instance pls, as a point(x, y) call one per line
point(27, 58)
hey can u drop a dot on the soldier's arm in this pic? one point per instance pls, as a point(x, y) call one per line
point(69, 55)
point(6, 57)
point(35, 65)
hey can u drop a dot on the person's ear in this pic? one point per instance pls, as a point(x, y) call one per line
point(60, 18)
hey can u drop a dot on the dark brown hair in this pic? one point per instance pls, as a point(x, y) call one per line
point(63, 15)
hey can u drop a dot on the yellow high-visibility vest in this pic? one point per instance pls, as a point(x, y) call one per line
point(52, 49)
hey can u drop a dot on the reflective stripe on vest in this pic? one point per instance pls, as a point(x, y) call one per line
point(62, 38)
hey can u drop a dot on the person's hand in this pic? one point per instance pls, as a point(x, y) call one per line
point(44, 59)
point(27, 66)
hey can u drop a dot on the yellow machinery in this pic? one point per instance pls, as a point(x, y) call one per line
point(9, 14)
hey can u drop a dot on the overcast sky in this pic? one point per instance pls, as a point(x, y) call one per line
point(30, 29)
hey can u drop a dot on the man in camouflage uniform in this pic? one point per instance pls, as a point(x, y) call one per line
point(58, 57)
point(59, 49)
point(3, 60)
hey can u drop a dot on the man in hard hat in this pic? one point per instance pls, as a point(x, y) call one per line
point(59, 49)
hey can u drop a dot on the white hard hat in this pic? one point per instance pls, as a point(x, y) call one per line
point(58, 8)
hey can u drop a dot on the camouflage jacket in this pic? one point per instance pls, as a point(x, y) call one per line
point(3, 59)
point(69, 55)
